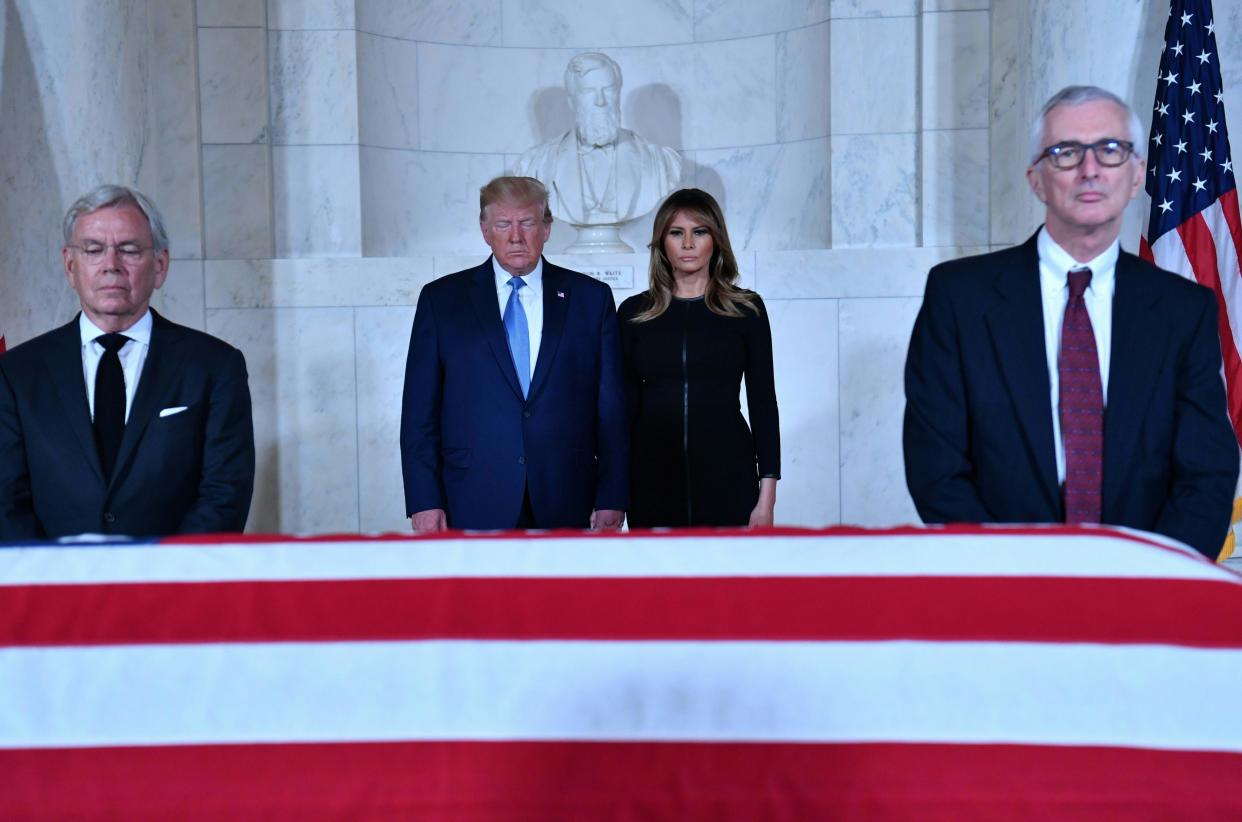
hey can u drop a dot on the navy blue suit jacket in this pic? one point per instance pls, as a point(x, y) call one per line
point(187, 472)
point(978, 426)
point(471, 444)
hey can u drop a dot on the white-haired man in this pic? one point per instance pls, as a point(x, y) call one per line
point(122, 422)
point(1065, 380)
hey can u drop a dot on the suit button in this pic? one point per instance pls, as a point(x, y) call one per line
point(521, 460)
point(108, 517)
point(526, 414)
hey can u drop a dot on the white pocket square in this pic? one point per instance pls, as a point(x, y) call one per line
point(168, 412)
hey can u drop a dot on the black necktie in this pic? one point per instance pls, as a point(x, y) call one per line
point(109, 400)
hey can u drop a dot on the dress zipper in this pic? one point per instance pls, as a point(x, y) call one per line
point(685, 414)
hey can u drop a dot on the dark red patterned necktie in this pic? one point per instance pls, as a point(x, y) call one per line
point(1082, 407)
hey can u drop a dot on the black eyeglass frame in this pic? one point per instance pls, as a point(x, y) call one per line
point(1054, 154)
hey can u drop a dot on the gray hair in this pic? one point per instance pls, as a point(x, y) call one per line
point(587, 61)
point(1077, 95)
point(514, 191)
point(109, 195)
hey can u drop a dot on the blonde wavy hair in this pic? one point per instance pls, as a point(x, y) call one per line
point(722, 296)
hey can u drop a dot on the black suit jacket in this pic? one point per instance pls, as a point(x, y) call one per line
point(472, 445)
point(190, 471)
point(978, 426)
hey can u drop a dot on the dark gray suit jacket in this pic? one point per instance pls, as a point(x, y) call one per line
point(186, 472)
point(978, 427)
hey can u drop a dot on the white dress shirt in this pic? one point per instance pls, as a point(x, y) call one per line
point(1055, 263)
point(532, 303)
point(133, 356)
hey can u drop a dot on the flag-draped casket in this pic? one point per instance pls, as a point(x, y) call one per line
point(908, 673)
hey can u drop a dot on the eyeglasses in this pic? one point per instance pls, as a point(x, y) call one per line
point(1070, 154)
point(129, 252)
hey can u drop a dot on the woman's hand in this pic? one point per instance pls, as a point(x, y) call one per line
point(762, 516)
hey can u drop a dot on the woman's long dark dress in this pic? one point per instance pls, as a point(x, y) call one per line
point(693, 460)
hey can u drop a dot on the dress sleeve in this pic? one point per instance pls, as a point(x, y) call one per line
point(761, 392)
point(629, 370)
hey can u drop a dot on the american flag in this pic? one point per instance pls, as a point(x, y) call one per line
point(1193, 226)
point(950, 673)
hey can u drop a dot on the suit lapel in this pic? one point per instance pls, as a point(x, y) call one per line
point(1139, 336)
point(556, 297)
point(1016, 324)
point(487, 312)
point(64, 369)
point(158, 372)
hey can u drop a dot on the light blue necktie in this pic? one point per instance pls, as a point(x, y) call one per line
point(518, 334)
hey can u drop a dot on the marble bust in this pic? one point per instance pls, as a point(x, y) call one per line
point(598, 174)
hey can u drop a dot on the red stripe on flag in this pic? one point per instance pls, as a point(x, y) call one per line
point(933, 531)
point(1145, 250)
point(619, 780)
point(1229, 207)
point(1118, 611)
point(1201, 250)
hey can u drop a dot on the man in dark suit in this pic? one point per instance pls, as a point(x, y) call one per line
point(513, 413)
point(1065, 380)
point(122, 422)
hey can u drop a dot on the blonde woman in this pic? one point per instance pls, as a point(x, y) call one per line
point(687, 342)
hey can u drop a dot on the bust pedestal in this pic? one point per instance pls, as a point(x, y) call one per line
point(599, 239)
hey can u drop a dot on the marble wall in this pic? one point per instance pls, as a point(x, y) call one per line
point(319, 162)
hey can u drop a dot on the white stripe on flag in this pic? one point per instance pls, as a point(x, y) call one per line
point(985, 553)
point(1170, 254)
point(1062, 694)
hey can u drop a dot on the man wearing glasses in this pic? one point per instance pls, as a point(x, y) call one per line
point(1065, 380)
point(122, 422)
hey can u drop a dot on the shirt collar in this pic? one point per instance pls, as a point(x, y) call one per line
point(534, 280)
point(1056, 263)
point(138, 332)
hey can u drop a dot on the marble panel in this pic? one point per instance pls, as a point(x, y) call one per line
point(464, 22)
point(421, 202)
point(708, 95)
point(802, 96)
point(387, 85)
point(804, 353)
point(955, 187)
point(304, 395)
point(480, 100)
point(850, 273)
point(594, 24)
point(232, 85)
point(955, 5)
point(382, 343)
point(314, 86)
point(730, 19)
point(1229, 47)
point(316, 204)
point(181, 297)
point(873, 8)
point(316, 282)
point(873, 75)
point(229, 13)
point(956, 55)
point(1014, 211)
point(875, 335)
point(874, 190)
point(169, 169)
point(312, 14)
point(237, 218)
point(445, 264)
point(774, 197)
